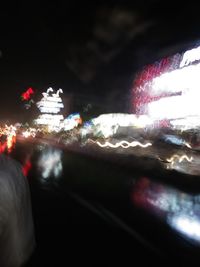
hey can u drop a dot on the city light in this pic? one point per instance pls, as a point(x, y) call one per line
point(123, 144)
point(175, 157)
point(50, 106)
point(187, 225)
point(50, 163)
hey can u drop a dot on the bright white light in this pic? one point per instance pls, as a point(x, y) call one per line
point(72, 121)
point(57, 93)
point(187, 82)
point(190, 56)
point(51, 98)
point(190, 226)
point(190, 122)
point(179, 80)
point(49, 119)
point(50, 116)
point(123, 120)
point(49, 104)
point(108, 124)
point(49, 110)
point(175, 107)
point(54, 127)
point(69, 124)
point(49, 90)
point(50, 163)
point(26, 134)
point(47, 122)
point(123, 144)
point(29, 132)
point(179, 158)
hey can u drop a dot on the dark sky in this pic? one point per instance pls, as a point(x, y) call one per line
point(90, 50)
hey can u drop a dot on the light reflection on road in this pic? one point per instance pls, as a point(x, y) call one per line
point(178, 209)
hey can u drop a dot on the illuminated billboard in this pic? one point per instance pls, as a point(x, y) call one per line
point(169, 89)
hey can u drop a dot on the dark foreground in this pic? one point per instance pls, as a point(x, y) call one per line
point(99, 213)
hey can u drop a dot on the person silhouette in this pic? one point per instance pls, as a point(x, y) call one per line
point(17, 239)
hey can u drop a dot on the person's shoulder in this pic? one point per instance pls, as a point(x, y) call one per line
point(6, 161)
point(10, 167)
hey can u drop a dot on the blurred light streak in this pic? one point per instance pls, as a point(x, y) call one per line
point(10, 133)
point(107, 125)
point(50, 163)
point(187, 225)
point(26, 167)
point(11, 140)
point(123, 120)
point(72, 121)
point(179, 158)
point(29, 132)
point(123, 144)
point(177, 140)
point(26, 134)
point(3, 147)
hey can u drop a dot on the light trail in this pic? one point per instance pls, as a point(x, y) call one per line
point(124, 144)
point(180, 158)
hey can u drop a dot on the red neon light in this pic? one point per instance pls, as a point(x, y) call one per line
point(26, 167)
point(27, 94)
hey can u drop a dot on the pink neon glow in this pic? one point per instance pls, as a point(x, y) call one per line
point(141, 92)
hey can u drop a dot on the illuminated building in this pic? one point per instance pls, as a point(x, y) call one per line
point(50, 106)
point(169, 90)
point(72, 121)
point(141, 93)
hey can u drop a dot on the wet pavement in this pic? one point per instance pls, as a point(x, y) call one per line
point(98, 211)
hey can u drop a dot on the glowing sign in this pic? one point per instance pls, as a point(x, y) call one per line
point(49, 120)
point(50, 106)
point(49, 110)
point(51, 98)
point(51, 116)
point(27, 94)
point(182, 105)
point(189, 122)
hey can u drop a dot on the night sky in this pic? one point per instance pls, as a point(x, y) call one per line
point(92, 50)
